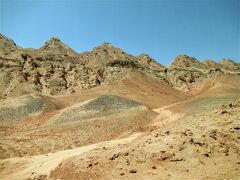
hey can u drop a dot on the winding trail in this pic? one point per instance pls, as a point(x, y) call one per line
point(166, 116)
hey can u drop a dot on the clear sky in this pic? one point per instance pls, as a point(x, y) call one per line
point(206, 29)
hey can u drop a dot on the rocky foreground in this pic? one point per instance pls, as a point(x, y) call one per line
point(106, 114)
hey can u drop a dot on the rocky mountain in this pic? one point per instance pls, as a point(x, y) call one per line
point(55, 68)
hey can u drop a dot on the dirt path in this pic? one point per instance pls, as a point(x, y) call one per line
point(166, 116)
point(25, 167)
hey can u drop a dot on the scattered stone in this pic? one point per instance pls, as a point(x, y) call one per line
point(89, 165)
point(114, 156)
point(40, 177)
point(133, 171)
point(206, 154)
point(154, 167)
point(224, 111)
point(192, 141)
point(177, 159)
point(167, 132)
point(165, 156)
point(121, 174)
point(236, 128)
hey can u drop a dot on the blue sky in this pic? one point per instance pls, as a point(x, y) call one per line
point(206, 29)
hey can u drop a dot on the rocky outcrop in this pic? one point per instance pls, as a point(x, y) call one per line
point(185, 79)
point(186, 72)
point(225, 64)
point(211, 64)
point(58, 50)
point(229, 64)
point(7, 43)
point(150, 62)
point(184, 61)
point(105, 54)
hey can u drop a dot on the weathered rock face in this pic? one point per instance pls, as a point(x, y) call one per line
point(229, 64)
point(188, 73)
point(6, 43)
point(211, 64)
point(185, 72)
point(225, 64)
point(56, 49)
point(55, 68)
point(185, 79)
point(150, 62)
point(52, 77)
point(105, 54)
point(184, 61)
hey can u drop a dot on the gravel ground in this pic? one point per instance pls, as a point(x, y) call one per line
point(102, 106)
point(23, 106)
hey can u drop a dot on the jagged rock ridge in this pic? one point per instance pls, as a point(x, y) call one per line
point(55, 68)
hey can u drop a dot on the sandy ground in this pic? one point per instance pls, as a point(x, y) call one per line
point(23, 139)
point(188, 147)
point(176, 146)
point(176, 138)
point(42, 165)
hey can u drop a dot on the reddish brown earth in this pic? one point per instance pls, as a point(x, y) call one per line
point(105, 114)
